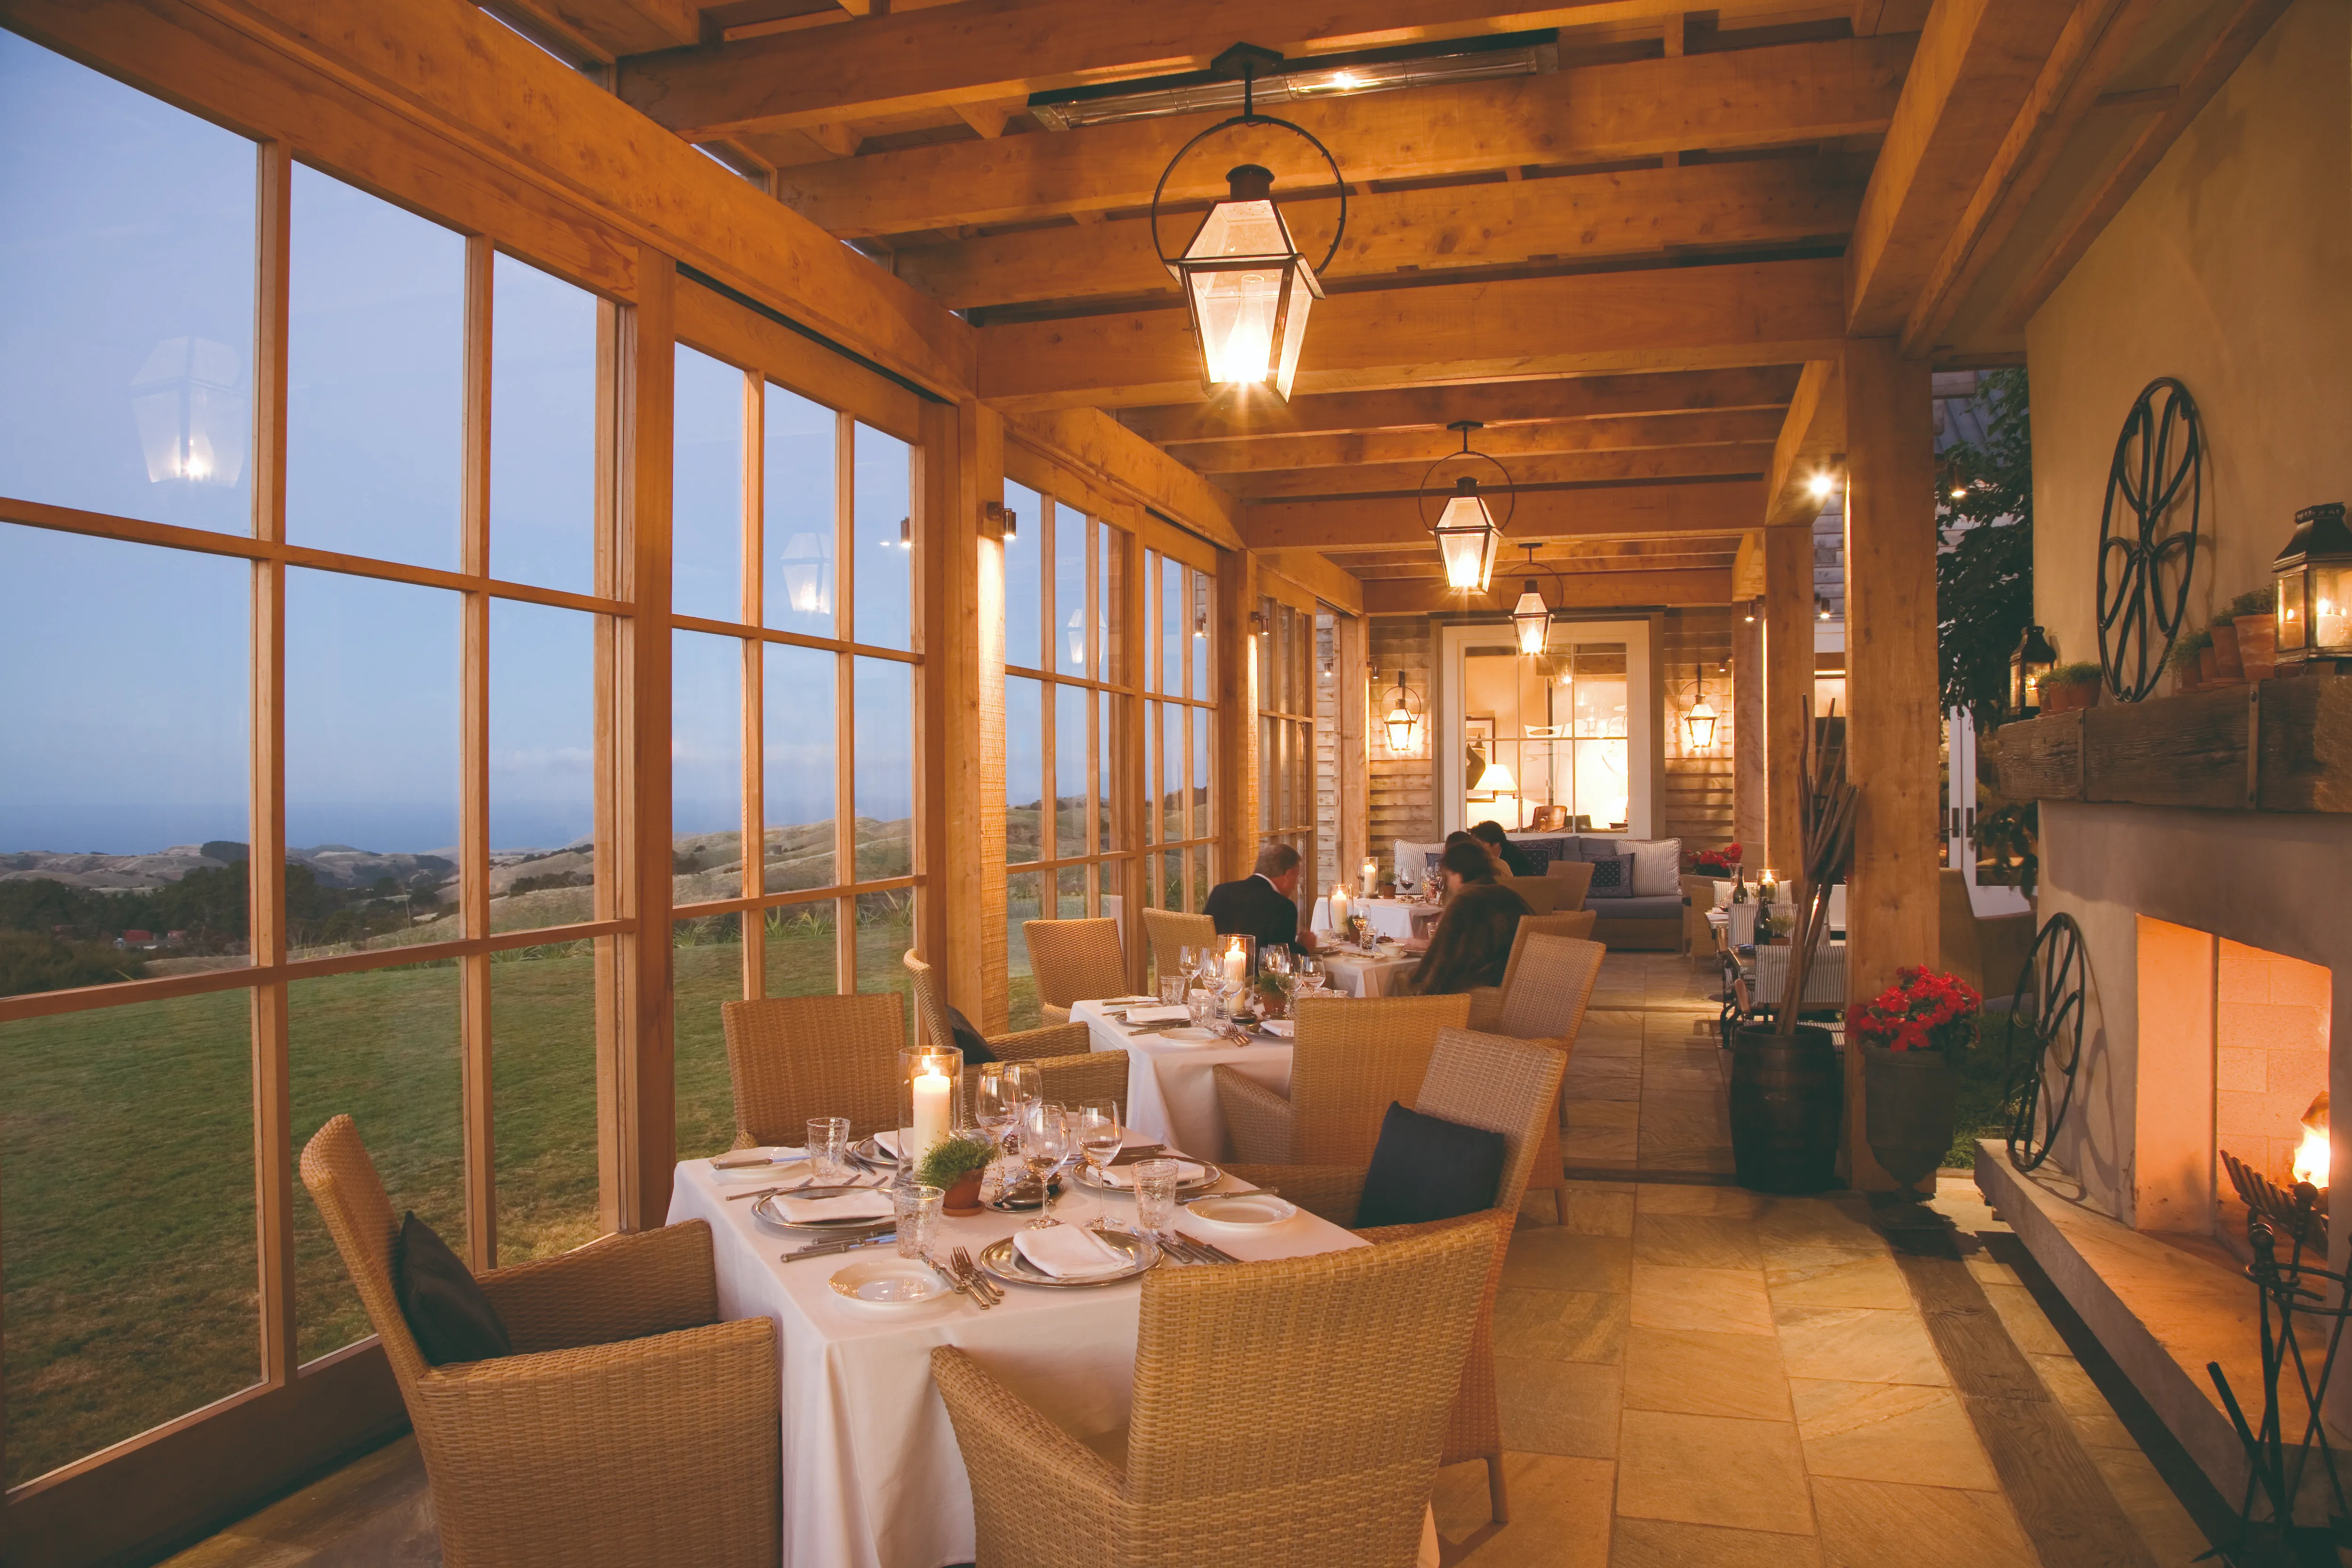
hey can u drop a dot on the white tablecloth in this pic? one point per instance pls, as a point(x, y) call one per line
point(1395, 919)
point(1354, 974)
point(872, 1475)
point(1172, 1093)
point(1825, 982)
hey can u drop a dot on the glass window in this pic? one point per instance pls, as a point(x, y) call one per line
point(797, 768)
point(882, 575)
point(1071, 751)
point(705, 808)
point(706, 518)
point(797, 472)
point(1023, 584)
point(543, 1099)
point(542, 765)
point(1172, 626)
point(1025, 760)
point(707, 971)
point(1069, 592)
point(126, 299)
point(542, 429)
point(883, 695)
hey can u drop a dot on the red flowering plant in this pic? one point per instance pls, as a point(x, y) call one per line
point(1717, 862)
point(1920, 1012)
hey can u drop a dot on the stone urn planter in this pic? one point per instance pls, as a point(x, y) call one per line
point(1786, 1096)
point(1908, 1099)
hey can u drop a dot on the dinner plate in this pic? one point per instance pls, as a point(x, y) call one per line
point(1026, 1205)
point(1001, 1261)
point(1209, 1177)
point(1238, 1213)
point(887, 1287)
point(768, 1211)
point(866, 1151)
point(1188, 1035)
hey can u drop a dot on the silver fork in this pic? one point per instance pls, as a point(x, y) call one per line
point(989, 1293)
point(956, 1281)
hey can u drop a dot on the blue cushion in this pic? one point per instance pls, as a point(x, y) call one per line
point(1425, 1168)
point(1613, 878)
point(1657, 907)
point(446, 1308)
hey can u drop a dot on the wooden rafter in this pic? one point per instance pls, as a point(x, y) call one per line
point(1609, 512)
point(1580, 590)
point(1812, 442)
point(1562, 467)
point(1699, 428)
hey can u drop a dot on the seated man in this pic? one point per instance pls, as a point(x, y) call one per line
point(1263, 904)
point(1514, 858)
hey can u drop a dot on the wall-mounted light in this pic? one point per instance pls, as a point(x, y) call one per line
point(808, 573)
point(1698, 724)
point(1821, 607)
point(906, 540)
point(1402, 721)
point(1822, 485)
point(1002, 521)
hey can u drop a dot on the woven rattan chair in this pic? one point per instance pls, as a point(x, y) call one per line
point(1486, 1001)
point(1068, 1069)
point(1286, 1414)
point(1074, 961)
point(629, 1429)
point(1171, 932)
point(792, 1057)
point(1575, 878)
point(1546, 1001)
point(1541, 893)
point(1351, 1058)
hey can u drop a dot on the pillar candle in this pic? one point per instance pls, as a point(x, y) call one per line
point(932, 1121)
point(1371, 877)
point(1236, 966)
point(1338, 909)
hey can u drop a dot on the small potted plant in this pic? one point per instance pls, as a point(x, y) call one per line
point(2253, 633)
point(2186, 659)
point(1273, 995)
point(2068, 686)
point(1908, 1035)
point(954, 1166)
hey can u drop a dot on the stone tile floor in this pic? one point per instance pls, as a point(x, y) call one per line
point(1693, 1375)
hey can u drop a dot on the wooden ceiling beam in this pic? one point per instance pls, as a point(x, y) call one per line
point(1813, 441)
point(1562, 467)
point(617, 27)
point(1766, 312)
point(1785, 95)
point(1609, 512)
point(1975, 71)
point(1318, 575)
point(1578, 591)
point(1577, 218)
point(1703, 428)
point(1497, 403)
point(1092, 441)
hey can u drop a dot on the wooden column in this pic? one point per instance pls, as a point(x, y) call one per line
point(1891, 687)
point(1237, 686)
point(1788, 623)
point(1748, 729)
point(1124, 754)
point(1352, 701)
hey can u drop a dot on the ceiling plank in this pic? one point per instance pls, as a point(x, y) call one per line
point(1609, 512)
point(616, 27)
point(1496, 404)
point(1695, 429)
point(1976, 69)
point(1813, 441)
point(1575, 591)
point(1766, 312)
point(1093, 441)
point(1584, 217)
point(1318, 575)
point(1564, 467)
point(1781, 96)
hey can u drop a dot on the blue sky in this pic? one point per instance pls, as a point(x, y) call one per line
point(126, 323)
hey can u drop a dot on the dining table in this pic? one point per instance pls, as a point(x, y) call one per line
point(1399, 919)
point(1172, 1088)
point(872, 1475)
point(1356, 972)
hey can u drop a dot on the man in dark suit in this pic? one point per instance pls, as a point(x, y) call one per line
point(1263, 904)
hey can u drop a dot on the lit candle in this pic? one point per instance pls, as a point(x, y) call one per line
point(1338, 909)
point(932, 1101)
point(2330, 619)
point(1236, 966)
point(1371, 876)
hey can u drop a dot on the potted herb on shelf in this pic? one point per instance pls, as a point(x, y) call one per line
point(2253, 633)
point(2068, 686)
point(954, 1166)
point(1908, 1035)
point(2186, 659)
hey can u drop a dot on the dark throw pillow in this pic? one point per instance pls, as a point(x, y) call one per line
point(969, 1040)
point(446, 1310)
point(1424, 1168)
point(1613, 878)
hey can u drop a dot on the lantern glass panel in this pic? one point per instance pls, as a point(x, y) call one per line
point(1466, 539)
point(1241, 310)
point(2331, 604)
point(2291, 624)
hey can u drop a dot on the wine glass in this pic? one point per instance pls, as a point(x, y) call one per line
point(1311, 978)
point(1097, 1126)
point(1027, 1090)
point(996, 1101)
point(1045, 1148)
point(1275, 961)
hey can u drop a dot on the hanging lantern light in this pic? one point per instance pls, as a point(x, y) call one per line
point(2314, 575)
point(1247, 286)
point(2027, 666)
point(1698, 724)
point(1531, 617)
point(1402, 721)
point(1467, 535)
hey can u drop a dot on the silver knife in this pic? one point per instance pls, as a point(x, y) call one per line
point(826, 1248)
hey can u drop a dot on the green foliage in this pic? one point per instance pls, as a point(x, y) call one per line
point(2185, 651)
point(2082, 672)
point(35, 961)
point(2252, 602)
point(1984, 574)
point(952, 1157)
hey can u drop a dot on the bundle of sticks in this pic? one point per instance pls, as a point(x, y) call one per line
point(1826, 816)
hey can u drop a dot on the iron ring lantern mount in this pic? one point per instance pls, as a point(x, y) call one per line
point(1247, 286)
point(1468, 537)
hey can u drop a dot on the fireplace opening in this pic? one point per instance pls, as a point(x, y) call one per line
point(2270, 1075)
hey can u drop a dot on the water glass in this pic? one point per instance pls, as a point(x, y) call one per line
point(919, 1216)
point(1172, 987)
point(1311, 979)
point(1097, 1126)
point(1201, 1002)
point(1155, 1198)
point(828, 1147)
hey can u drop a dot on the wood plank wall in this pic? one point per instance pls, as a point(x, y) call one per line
point(1403, 802)
point(1698, 785)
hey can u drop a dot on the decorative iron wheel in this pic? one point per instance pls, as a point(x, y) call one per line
point(2159, 469)
point(2046, 1020)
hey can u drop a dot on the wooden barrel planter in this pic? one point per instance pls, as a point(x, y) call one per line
point(1910, 1098)
point(1787, 1095)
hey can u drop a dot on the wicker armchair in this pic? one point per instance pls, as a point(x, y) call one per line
point(1068, 1069)
point(1486, 1001)
point(1286, 1414)
point(792, 1057)
point(1575, 878)
point(1352, 1059)
point(1171, 932)
point(1541, 893)
point(1074, 961)
point(629, 1429)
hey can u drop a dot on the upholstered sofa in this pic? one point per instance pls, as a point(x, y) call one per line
point(1649, 921)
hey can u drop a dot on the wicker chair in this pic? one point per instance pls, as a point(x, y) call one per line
point(792, 1057)
point(1486, 1001)
point(1505, 1085)
point(630, 1428)
point(1541, 893)
point(1068, 1070)
point(1074, 961)
point(1575, 878)
point(1286, 1414)
point(1171, 932)
point(1351, 1058)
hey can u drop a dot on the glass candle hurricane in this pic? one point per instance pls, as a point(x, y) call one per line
point(930, 1102)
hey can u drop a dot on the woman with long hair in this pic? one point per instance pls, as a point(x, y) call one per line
point(1473, 941)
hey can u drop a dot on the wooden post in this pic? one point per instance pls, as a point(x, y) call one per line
point(1788, 624)
point(1352, 701)
point(1891, 688)
point(1237, 688)
point(474, 797)
point(1748, 729)
point(1123, 665)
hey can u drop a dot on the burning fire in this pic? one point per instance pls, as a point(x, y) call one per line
point(2311, 1156)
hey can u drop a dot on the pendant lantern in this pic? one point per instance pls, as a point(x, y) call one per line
point(1468, 537)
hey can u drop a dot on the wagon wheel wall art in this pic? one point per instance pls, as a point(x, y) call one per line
point(2148, 536)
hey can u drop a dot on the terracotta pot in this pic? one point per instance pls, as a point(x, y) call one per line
point(2225, 651)
point(2209, 667)
point(1909, 1103)
point(2074, 695)
point(2257, 646)
point(963, 1198)
point(1786, 1100)
point(2184, 679)
point(2056, 699)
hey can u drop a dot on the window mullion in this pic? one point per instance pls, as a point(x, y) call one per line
point(752, 842)
point(474, 782)
point(844, 726)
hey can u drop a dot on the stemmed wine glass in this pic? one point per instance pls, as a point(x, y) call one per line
point(1311, 978)
point(1096, 1127)
point(996, 1101)
point(1045, 1147)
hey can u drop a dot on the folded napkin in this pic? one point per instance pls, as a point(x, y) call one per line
point(886, 1141)
point(1124, 1176)
point(1069, 1252)
point(1157, 1014)
point(1125, 1001)
point(762, 1160)
point(848, 1205)
point(1281, 1028)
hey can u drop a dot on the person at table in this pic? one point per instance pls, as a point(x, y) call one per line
point(1263, 904)
point(1516, 860)
point(1473, 941)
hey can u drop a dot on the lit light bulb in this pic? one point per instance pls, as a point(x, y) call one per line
point(1959, 492)
point(1821, 484)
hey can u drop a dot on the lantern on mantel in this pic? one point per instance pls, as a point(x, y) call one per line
point(2027, 666)
point(2313, 575)
point(1467, 535)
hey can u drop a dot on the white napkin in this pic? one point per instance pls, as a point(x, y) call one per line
point(1069, 1252)
point(1124, 1176)
point(761, 1162)
point(1280, 1029)
point(848, 1205)
point(1157, 1014)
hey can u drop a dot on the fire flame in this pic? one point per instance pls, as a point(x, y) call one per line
point(2311, 1155)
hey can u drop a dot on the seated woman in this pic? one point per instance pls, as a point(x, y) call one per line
point(1498, 844)
point(1473, 942)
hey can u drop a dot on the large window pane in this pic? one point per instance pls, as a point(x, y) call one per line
point(542, 429)
point(1106, 746)
point(1069, 591)
point(1172, 626)
point(126, 299)
point(1203, 821)
point(1025, 831)
point(130, 1296)
point(1110, 549)
point(382, 1048)
point(799, 516)
point(371, 762)
point(1023, 901)
point(375, 377)
point(1024, 577)
point(883, 573)
point(1198, 589)
point(705, 808)
point(1172, 772)
point(123, 774)
point(798, 768)
point(884, 690)
point(542, 765)
point(886, 930)
point(707, 969)
point(1070, 753)
point(803, 958)
point(706, 490)
point(543, 1098)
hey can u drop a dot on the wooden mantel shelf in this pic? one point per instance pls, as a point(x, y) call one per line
point(2275, 745)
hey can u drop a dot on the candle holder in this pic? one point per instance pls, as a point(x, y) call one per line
point(1236, 960)
point(930, 1103)
point(1370, 881)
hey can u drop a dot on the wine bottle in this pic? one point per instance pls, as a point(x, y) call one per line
point(1739, 887)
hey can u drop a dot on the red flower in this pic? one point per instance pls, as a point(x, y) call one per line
point(1919, 1012)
